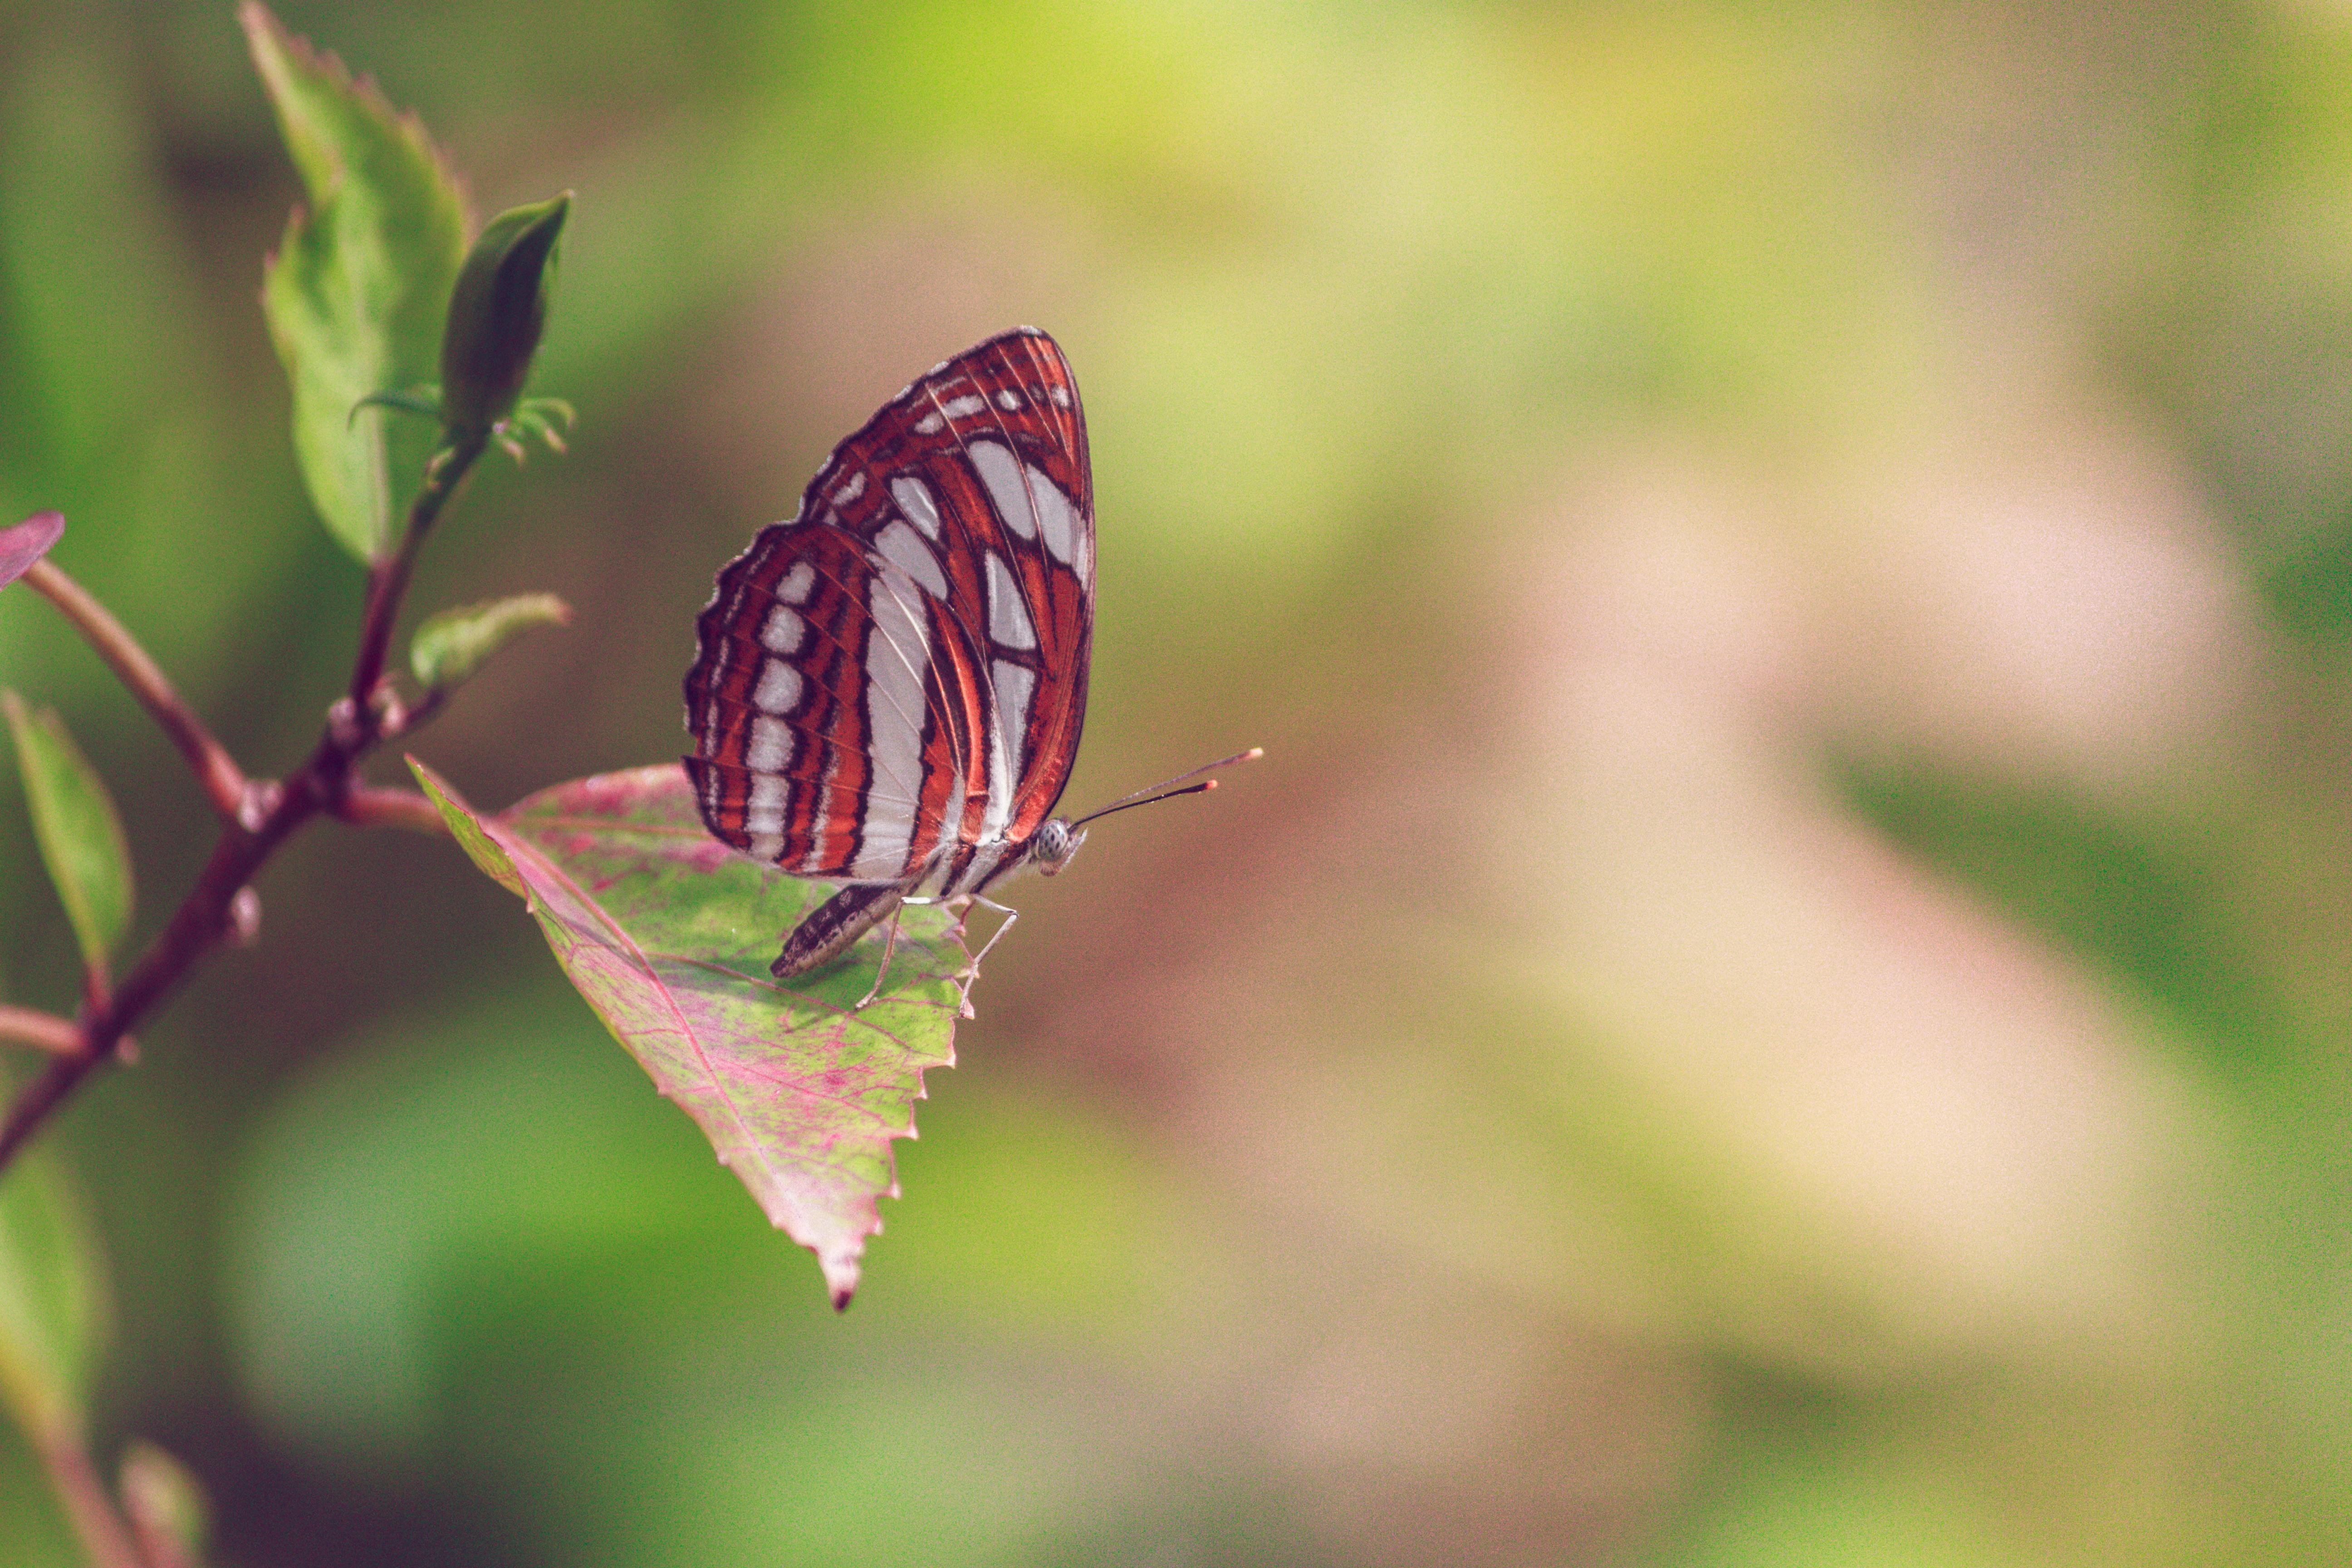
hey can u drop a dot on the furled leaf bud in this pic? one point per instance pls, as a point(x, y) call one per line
point(496, 314)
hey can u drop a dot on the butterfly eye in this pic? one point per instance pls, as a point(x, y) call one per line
point(1057, 842)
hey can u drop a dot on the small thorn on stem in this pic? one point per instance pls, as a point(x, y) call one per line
point(390, 713)
point(245, 917)
point(256, 803)
point(343, 724)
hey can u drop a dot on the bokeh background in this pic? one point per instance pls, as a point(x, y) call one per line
point(1781, 995)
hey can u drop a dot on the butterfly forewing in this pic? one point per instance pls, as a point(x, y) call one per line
point(892, 684)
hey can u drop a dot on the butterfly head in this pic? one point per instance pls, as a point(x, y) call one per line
point(1054, 845)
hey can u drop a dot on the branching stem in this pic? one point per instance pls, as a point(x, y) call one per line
point(223, 781)
point(355, 726)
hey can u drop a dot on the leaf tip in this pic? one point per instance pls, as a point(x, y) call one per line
point(840, 1276)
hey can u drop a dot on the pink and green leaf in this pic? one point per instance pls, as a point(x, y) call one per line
point(668, 935)
point(26, 542)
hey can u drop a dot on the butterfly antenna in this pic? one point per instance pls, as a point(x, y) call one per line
point(1152, 795)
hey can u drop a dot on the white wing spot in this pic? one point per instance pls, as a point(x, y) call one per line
point(779, 691)
point(763, 808)
point(1000, 470)
point(766, 846)
point(1061, 396)
point(1008, 399)
point(929, 423)
point(904, 548)
point(1056, 514)
point(914, 498)
point(796, 585)
point(851, 487)
point(783, 631)
point(897, 650)
point(1008, 618)
point(963, 408)
point(1016, 687)
point(770, 750)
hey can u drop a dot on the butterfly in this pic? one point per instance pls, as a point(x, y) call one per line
point(889, 687)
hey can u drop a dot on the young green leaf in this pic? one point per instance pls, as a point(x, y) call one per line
point(496, 315)
point(668, 934)
point(167, 1506)
point(452, 644)
point(52, 1299)
point(26, 542)
point(74, 822)
point(356, 292)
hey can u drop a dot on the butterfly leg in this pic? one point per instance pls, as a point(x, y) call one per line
point(971, 970)
point(889, 946)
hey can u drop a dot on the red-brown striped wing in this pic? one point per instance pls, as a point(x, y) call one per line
point(902, 667)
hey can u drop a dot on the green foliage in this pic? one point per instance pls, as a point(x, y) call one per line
point(75, 821)
point(52, 1299)
point(453, 644)
point(668, 934)
point(357, 292)
point(497, 312)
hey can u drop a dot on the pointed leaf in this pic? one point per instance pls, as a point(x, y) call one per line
point(496, 315)
point(26, 542)
point(167, 1505)
point(452, 644)
point(668, 935)
point(52, 1298)
point(356, 294)
point(74, 821)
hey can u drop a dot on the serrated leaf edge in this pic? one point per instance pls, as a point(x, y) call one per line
point(360, 87)
point(842, 1264)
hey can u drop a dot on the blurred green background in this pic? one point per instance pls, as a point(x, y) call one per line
point(1780, 997)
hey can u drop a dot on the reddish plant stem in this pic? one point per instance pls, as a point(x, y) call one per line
point(106, 1538)
point(369, 807)
point(388, 579)
point(354, 727)
point(217, 771)
point(46, 1030)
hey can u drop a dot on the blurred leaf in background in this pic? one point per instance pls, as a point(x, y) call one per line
point(75, 821)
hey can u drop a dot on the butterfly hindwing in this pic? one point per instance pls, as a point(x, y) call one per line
point(893, 682)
